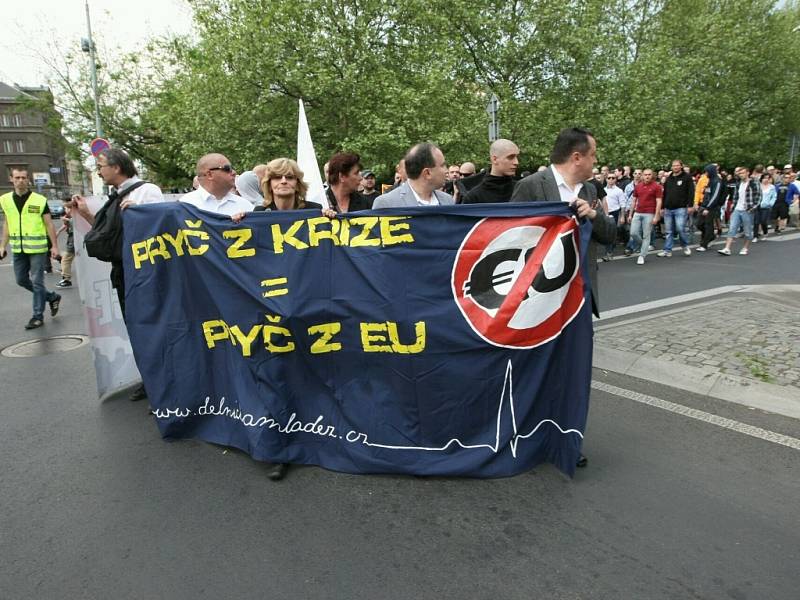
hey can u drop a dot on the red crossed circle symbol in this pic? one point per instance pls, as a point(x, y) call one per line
point(523, 316)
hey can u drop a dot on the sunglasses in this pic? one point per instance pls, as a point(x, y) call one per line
point(289, 177)
point(226, 168)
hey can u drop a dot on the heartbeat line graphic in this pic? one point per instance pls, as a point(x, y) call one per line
point(507, 396)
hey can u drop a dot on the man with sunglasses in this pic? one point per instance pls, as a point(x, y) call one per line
point(460, 189)
point(217, 180)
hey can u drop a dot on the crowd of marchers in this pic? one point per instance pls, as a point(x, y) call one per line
point(630, 207)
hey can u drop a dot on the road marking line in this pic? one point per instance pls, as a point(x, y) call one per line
point(654, 304)
point(782, 238)
point(693, 413)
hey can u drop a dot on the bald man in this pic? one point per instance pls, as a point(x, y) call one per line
point(467, 169)
point(217, 180)
point(498, 185)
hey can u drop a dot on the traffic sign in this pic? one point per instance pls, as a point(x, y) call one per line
point(98, 145)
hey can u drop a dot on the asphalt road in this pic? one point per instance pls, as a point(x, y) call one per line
point(96, 505)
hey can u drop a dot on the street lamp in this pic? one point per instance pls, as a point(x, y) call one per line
point(87, 45)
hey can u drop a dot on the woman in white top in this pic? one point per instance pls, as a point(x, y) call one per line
point(768, 196)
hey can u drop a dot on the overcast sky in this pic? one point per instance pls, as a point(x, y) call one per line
point(32, 26)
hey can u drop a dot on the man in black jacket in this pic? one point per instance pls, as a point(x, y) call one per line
point(498, 185)
point(708, 211)
point(678, 202)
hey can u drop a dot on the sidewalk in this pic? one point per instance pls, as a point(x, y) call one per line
point(737, 343)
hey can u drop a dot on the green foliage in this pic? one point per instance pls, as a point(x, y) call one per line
point(655, 79)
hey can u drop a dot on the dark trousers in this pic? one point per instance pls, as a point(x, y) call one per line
point(705, 223)
point(614, 214)
point(762, 219)
point(118, 283)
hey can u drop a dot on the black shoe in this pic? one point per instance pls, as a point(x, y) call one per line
point(34, 323)
point(138, 394)
point(628, 251)
point(54, 303)
point(64, 283)
point(277, 471)
point(582, 461)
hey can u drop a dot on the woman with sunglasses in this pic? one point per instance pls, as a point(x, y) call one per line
point(283, 188)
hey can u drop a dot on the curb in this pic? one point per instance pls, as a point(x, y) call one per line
point(705, 381)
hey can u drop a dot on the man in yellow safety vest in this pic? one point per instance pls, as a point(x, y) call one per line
point(27, 226)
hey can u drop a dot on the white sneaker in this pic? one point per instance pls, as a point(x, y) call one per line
point(666, 253)
point(725, 251)
point(688, 251)
point(650, 248)
point(700, 249)
point(640, 260)
point(754, 240)
point(743, 252)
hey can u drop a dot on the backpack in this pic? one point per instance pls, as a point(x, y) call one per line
point(104, 240)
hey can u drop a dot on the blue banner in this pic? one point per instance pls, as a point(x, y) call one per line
point(435, 341)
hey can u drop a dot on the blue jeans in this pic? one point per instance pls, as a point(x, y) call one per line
point(675, 221)
point(25, 266)
point(641, 228)
point(745, 220)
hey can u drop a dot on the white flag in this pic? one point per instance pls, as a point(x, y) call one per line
point(114, 365)
point(307, 160)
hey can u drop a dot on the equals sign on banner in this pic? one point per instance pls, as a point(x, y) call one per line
point(275, 287)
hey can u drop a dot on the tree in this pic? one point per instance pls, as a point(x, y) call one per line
point(654, 79)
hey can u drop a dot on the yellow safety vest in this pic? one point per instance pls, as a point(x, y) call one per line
point(27, 231)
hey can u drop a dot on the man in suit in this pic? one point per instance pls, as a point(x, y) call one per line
point(573, 156)
point(426, 171)
point(565, 180)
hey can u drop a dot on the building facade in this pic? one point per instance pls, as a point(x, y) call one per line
point(30, 139)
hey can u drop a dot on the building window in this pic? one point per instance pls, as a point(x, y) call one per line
point(20, 146)
point(5, 120)
point(8, 148)
point(18, 120)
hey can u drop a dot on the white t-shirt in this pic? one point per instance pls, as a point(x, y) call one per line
point(229, 205)
point(741, 204)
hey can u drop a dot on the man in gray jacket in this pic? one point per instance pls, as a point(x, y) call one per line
point(573, 156)
point(572, 159)
point(427, 173)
